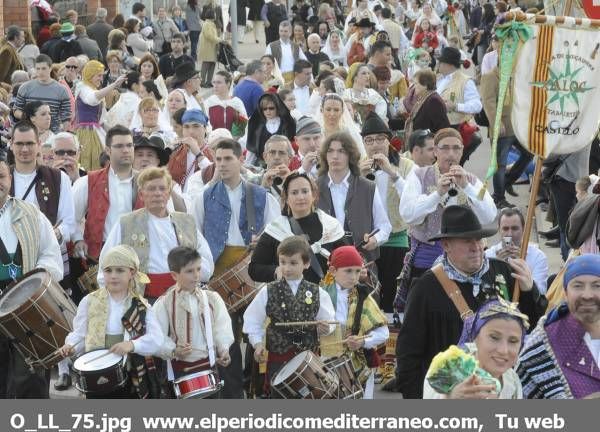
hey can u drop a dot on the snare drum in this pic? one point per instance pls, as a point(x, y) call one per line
point(305, 377)
point(99, 372)
point(36, 316)
point(235, 286)
point(198, 385)
point(349, 387)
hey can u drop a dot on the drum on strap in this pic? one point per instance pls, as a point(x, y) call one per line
point(198, 385)
point(36, 315)
point(305, 377)
point(99, 372)
point(349, 386)
point(235, 286)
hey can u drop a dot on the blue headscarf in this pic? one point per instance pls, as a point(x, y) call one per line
point(587, 264)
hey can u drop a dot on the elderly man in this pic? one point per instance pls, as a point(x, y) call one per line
point(72, 76)
point(27, 242)
point(561, 356)
point(511, 223)
point(426, 192)
point(65, 146)
point(314, 54)
point(449, 292)
point(277, 155)
point(153, 231)
point(308, 139)
point(187, 78)
point(389, 170)
point(9, 57)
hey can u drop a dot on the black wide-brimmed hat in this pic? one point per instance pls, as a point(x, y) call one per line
point(451, 56)
point(184, 72)
point(375, 125)
point(156, 143)
point(459, 221)
point(365, 22)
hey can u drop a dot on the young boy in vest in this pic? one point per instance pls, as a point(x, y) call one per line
point(288, 299)
point(195, 320)
point(364, 325)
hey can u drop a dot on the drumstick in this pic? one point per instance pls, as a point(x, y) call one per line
point(371, 234)
point(343, 341)
point(187, 369)
point(72, 346)
point(303, 323)
point(98, 358)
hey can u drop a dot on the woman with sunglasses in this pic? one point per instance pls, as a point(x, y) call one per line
point(271, 118)
point(300, 216)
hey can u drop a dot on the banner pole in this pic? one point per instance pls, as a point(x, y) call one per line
point(535, 186)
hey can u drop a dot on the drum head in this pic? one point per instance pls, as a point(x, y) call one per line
point(89, 361)
point(291, 366)
point(21, 292)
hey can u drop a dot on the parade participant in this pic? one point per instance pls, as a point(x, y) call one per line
point(224, 110)
point(361, 11)
point(420, 147)
point(89, 108)
point(389, 170)
point(168, 62)
point(314, 54)
point(117, 318)
point(104, 195)
point(277, 156)
point(301, 217)
point(461, 98)
point(286, 52)
point(357, 46)
point(494, 336)
point(273, 77)
point(149, 71)
point(175, 102)
point(362, 98)
point(345, 195)
point(364, 326)
point(271, 117)
point(302, 85)
point(123, 111)
point(426, 193)
point(511, 224)
point(148, 120)
point(291, 298)
point(194, 320)
point(27, 242)
point(561, 355)
point(425, 107)
point(334, 117)
point(38, 113)
point(308, 139)
point(152, 231)
point(193, 154)
point(187, 78)
point(65, 146)
point(149, 152)
point(444, 296)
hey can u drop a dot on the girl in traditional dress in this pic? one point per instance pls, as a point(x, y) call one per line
point(362, 98)
point(89, 109)
point(273, 76)
point(335, 117)
point(149, 71)
point(224, 110)
point(334, 48)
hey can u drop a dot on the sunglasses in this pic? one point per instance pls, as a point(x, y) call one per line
point(268, 108)
point(65, 152)
point(71, 67)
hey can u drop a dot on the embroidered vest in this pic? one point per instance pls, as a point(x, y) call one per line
point(98, 205)
point(393, 199)
point(361, 193)
point(455, 92)
point(283, 306)
point(428, 176)
point(95, 337)
point(217, 215)
point(26, 225)
point(47, 191)
point(134, 232)
point(177, 164)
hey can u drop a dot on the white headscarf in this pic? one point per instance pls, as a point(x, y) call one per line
point(335, 56)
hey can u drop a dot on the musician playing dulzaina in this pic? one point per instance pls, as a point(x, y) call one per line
point(288, 299)
point(195, 320)
point(230, 212)
point(117, 318)
point(363, 322)
point(153, 231)
point(27, 242)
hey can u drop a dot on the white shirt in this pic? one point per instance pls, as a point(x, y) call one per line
point(472, 100)
point(221, 327)
point(536, 261)
point(66, 209)
point(190, 101)
point(375, 337)
point(145, 345)
point(594, 347)
point(49, 257)
point(415, 206)
point(234, 235)
point(382, 179)
point(489, 62)
point(302, 98)
point(339, 191)
point(162, 238)
point(287, 56)
point(120, 195)
point(256, 312)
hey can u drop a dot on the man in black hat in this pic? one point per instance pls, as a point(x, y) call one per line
point(149, 152)
point(461, 97)
point(187, 78)
point(460, 281)
point(388, 169)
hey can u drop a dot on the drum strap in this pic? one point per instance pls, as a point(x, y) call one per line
point(314, 262)
point(12, 264)
point(250, 215)
point(453, 292)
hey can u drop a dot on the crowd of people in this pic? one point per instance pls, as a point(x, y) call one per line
point(327, 175)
